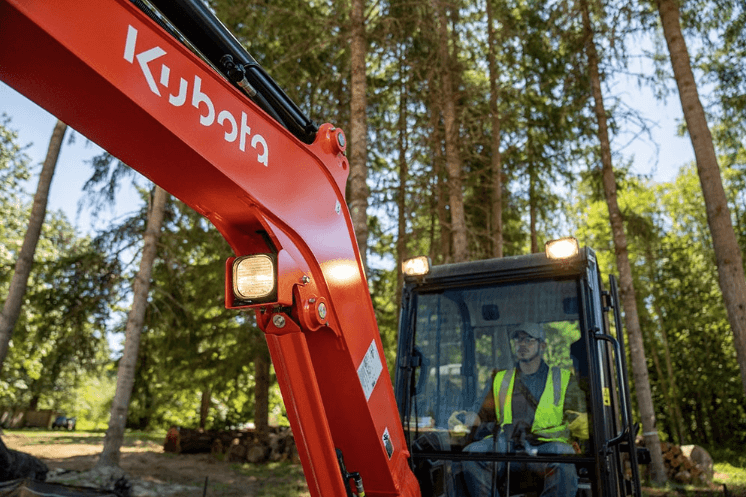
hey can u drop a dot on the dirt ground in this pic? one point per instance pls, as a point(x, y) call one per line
point(183, 475)
point(147, 462)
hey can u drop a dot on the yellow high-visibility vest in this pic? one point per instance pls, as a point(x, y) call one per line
point(549, 425)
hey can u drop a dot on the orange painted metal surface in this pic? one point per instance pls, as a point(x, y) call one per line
point(109, 72)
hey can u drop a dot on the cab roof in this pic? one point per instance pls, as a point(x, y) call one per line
point(518, 267)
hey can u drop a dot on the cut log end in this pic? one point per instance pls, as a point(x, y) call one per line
point(235, 445)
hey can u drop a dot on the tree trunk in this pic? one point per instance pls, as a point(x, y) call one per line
point(18, 285)
point(669, 389)
point(440, 190)
point(532, 203)
point(453, 159)
point(629, 303)
point(678, 419)
point(401, 246)
point(358, 129)
point(261, 390)
point(531, 173)
point(446, 239)
point(204, 407)
point(727, 252)
point(128, 363)
point(496, 213)
point(668, 379)
point(663, 379)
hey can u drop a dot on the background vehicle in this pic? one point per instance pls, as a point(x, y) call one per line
point(63, 422)
point(453, 336)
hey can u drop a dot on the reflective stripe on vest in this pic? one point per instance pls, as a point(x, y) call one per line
point(548, 420)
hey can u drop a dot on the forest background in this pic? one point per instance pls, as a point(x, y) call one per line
point(200, 365)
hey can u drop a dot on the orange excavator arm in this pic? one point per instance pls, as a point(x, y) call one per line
point(114, 74)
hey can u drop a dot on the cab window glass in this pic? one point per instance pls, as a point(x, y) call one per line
point(468, 337)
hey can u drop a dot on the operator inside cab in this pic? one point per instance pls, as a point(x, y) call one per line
point(502, 404)
point(530, 408)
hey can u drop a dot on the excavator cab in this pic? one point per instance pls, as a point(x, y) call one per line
point(459, 366)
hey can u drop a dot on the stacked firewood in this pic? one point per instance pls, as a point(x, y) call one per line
point(688, 464)
point(235, 445)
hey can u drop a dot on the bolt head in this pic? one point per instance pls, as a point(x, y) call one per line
point(321, 309)
point(278, 320)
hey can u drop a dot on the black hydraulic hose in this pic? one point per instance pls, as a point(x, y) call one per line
point(208, 35)
point(144, 7)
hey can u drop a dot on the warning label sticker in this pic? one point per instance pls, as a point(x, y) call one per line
point(370, 370)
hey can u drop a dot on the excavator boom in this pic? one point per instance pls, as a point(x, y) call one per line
point(114, 74)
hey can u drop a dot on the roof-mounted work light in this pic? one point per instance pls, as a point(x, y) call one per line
point(255, 278)
point(417, 266)
point(562, 248)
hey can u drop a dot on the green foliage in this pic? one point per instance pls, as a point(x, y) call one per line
point(191, 344)
point(14, 202)
point(733, 457)
point(60, 334)
point(300, 45)
point(383, 288)
point(14, 168)
point(560, 335)
point(91, 400)
point(721, 27)
point(680, 305)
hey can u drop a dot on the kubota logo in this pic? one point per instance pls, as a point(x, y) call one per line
point(225, 118)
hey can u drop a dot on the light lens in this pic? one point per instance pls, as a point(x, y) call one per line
point(562, 248)
point(253, 277)
point(418, 266)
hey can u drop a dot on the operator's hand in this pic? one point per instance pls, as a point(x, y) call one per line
point(579, 425)
point(463, 421)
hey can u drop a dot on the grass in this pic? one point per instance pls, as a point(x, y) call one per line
point(730, 470)
point(732, 476)
point(131, 438)
point(276, 479)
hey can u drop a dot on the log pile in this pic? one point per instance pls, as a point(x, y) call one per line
point(235, 445)
point(687, 464)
